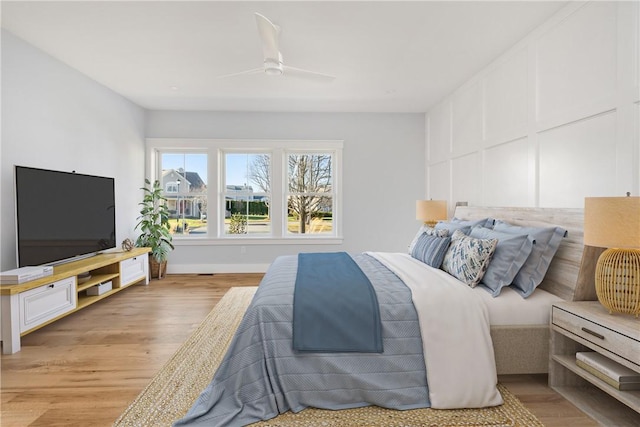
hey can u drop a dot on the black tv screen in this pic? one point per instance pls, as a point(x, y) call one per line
point(62, 215)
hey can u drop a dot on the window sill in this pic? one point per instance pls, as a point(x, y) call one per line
point(248, 241)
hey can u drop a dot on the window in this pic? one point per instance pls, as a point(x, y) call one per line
point(184, 178)
point(257, 190)
point(309, 196)
point(246, 191)
point(171, 187)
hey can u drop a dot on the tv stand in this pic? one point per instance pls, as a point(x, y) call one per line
point(31, 305)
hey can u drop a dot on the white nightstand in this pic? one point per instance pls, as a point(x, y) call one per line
point(588, 326)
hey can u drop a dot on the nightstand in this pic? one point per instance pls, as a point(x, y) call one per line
point(588, 326)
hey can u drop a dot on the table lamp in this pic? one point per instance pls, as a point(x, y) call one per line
point(431, 211)
point(614, 223)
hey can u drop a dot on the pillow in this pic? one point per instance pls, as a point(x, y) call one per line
point(468, 258)
point(453, 226)
point(484, 222)
point(431, 249)
point(532, 272)
point(430, 231)
point(510, 255)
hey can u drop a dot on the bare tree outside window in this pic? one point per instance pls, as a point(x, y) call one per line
point(309, 187)
point(260, 174)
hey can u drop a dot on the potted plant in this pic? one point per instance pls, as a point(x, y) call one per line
point(154, 228)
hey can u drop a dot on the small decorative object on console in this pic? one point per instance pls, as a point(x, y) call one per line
point(127, 245)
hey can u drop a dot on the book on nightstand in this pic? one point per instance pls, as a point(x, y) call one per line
point(609, 371)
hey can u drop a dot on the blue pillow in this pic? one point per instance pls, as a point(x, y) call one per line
point(511, 253)
point(430, 231)
point(453, 226)
point(534, 269)
point(484, 222)
point(431, 249)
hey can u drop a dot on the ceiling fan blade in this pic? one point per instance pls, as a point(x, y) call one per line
point(269, 33)
point(243, 73)
point(306, 73)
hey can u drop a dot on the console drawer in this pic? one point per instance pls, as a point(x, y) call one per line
point(46, 302)
point(597, 334)
point(134, 269)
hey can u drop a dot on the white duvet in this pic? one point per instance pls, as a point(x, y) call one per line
point(454, 324)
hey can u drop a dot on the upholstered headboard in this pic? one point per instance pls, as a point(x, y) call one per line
point(572, 271)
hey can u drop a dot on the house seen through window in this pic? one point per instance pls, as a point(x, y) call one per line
point(247, 191)
point(184, 178)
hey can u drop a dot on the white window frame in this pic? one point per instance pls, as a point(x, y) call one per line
point(172, 187)
point(285, 186)
point(223, 191)
point(279, 149)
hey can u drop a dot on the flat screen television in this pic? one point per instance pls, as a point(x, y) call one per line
point(61, 216)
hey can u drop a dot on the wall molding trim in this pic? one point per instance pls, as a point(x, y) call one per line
point(173, 268)
point(559, 114)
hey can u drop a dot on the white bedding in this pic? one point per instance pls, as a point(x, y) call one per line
point(454, 325)
point(510, 309)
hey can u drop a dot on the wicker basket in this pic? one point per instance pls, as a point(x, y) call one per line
point(157, 270)
point(618, 280)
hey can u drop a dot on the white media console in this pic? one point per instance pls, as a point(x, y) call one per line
point(29, 306)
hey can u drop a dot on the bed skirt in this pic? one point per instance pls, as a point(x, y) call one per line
point(522, 349)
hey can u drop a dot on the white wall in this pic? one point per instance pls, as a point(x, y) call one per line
point(54, 117)
point(551, 121)
point(383, 175)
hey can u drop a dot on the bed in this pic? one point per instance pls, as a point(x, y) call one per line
point(262, 375)
point(570, 277)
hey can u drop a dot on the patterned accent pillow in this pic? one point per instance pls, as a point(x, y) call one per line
point(430, 232)
point(431, 249)
point(468, 258)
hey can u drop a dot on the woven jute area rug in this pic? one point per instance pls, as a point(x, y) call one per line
point(174, 389)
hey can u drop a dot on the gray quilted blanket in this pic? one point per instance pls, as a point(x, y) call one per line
point(262, 376)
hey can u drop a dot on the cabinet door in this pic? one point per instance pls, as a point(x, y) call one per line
point(134, 269)
point(46, 302)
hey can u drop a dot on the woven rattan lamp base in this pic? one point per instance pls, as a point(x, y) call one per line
point(618, 280)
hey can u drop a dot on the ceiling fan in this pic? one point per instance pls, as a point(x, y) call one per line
point(273, 64)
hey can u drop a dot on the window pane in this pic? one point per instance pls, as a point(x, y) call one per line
point(310, 202)
point(184, 179)
point(247, 192)
point(319, 222)
point(309, 173)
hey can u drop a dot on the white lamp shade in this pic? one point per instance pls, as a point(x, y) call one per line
point(431, 210)
point(612, 222)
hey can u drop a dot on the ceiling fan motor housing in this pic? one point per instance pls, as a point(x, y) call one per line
point(273, 67)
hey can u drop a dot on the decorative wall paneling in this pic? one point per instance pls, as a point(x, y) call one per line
point(551, 121)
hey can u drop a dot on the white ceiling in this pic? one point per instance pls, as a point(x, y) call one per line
point(387, 56)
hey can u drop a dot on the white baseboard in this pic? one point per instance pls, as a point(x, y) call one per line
point(173, 268)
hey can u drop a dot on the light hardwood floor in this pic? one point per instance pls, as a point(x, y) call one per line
point(85, 369)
